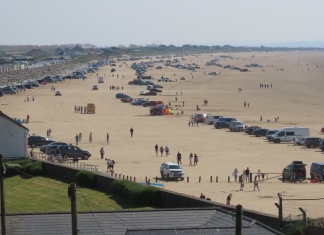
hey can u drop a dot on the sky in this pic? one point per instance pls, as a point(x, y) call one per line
point(177, 22)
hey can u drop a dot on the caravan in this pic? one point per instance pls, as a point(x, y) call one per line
point(287, 134)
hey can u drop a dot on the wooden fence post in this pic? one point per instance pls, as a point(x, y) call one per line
point(199, 179)
point(216, 179)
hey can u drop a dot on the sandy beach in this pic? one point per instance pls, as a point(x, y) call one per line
point(296, 97)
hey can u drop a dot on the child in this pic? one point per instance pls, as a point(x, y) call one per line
point(256, 183)
point(262, 175)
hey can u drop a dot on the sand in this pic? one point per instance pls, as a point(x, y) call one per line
point(296, 97)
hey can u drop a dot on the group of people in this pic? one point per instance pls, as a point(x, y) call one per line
point(265, 85)
point(246, 104)
point(27, 98)
point(192, 121)
point(110, 165)
point(80, 109)
point(245, 177)
point(162, 150)
point(113, 88)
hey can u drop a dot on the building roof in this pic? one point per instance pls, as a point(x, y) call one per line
point(10, 119)
point(154, 222)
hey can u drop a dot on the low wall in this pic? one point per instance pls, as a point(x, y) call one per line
point(170, 199)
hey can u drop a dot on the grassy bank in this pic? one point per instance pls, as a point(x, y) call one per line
point(41, 194)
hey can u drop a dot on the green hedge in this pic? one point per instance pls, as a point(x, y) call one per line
point(86, 178)
point(137, 193)
point(27, 166)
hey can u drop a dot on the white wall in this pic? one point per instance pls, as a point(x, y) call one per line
point(13, 139)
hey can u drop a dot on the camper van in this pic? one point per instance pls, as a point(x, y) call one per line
point(211, 119)
point(101, 80)
point(287, 134)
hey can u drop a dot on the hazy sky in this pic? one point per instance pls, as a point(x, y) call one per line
point(202, 22)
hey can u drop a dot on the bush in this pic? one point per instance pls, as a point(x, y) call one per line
point(86, 178)
point(137, 193)
point(27, 166)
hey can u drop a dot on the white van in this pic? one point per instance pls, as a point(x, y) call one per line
point(211, 119)
point(287, 134)
point(101, 79)
point(236, 126)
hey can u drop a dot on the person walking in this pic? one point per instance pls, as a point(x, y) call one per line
point(76, 139)
point(167, 151)
point(259, 175)
point(179, 158)
point(156, 149)
point(90, 137)
point(102, 153)
point(247, 173)
point(256, 183)
point(242, 179)
point(161, 150)
point(190, 159)
point(107, 138)
point(235, 173)
point(195, 159)
point(80, 137)
point(131, 131)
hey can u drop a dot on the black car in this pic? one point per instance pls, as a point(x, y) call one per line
point(73, 151)
point(250, 129)
point(219, 125)
point(38, 140)
point(297, 167)
point(43, 148)
point(321, 145)
point(260, 132)
point(156, 90)
point(312, 142)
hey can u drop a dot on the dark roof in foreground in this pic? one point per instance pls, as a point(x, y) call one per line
point(155, 222)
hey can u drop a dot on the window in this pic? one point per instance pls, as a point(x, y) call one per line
point(290, 133)
point(281, 134)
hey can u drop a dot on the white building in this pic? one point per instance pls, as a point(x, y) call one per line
point(13, 138)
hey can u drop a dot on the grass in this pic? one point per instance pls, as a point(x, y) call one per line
point(41, 194)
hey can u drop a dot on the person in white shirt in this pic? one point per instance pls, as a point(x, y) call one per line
point(235, 173)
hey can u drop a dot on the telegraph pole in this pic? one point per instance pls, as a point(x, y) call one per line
point(3, 211)
point(72, 195)
point(239, 219)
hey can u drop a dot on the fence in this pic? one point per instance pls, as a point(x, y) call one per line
point(70, 163)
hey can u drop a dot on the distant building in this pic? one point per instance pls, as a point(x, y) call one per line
point(6, 68)
point(36, 53)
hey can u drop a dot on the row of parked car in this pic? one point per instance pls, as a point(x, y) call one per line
point(49, 146)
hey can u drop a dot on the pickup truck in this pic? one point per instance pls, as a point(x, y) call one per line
point(164, 80)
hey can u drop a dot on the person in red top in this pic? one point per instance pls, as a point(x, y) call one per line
point(202, 196)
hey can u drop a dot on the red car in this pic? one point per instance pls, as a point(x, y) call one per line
point(126, 99)
point(150, 93)
point(152, 103)
point(322, 130)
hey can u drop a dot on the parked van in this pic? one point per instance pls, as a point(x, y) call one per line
point(101, 79)
point(212, 119)
point(287, 134)
point(227, 119)
point(236, 126)
point(317, 170)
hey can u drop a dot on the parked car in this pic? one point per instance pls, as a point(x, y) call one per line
point(317, 170)
point(72, 151)
point(51, 149)
point(142, 92)
point(95, 87)
point(138, 102)
point(321, 145)
point(312, 142)
point(43, 147)
point(236, 126)
point(200, 117)
point(270, 133)
point(58, 93)
point(322, 130)
point(126, 99)
point(38, 140)
point(120, 95)
point(260, 132)
point(250, 129)
point(150, 93)
point(171, 170)
point(221, 124)
point(155, 90)
point(301, 141)
point(182, 78)
point(296, 167)
point(152, 103)
point(158, 86)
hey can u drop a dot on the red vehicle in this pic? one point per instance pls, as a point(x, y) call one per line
point(152, 103)
point(126, 99)
point(322, 130)
point(244, 70)
point(150, 93)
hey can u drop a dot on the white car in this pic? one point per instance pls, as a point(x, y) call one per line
point(171, 170)
point(58, 93)
point(142, 92)
point(182, 78)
